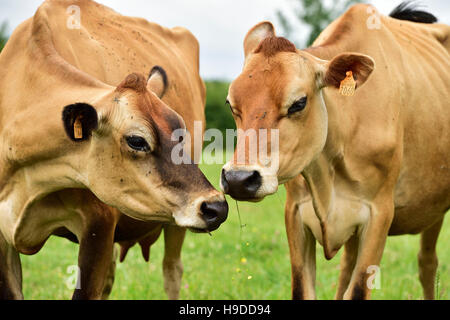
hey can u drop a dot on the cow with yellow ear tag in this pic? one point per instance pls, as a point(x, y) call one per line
point(87, 140)
point(363, 140)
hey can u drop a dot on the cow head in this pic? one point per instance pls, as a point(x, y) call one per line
point(125, 142)
point(280, 88)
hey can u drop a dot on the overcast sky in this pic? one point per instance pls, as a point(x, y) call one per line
point(220, 26)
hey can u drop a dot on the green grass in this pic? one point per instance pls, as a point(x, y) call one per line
point(214, 267)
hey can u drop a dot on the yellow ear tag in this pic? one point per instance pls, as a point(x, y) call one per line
point(78, 128)
point(348, 85)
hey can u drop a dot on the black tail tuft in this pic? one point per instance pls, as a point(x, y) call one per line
point(407, 10)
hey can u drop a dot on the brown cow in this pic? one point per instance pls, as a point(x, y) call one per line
point(373, 164)
point(77, 133)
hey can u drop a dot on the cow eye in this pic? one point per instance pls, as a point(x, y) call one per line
point(297, 106)
point(138, 143)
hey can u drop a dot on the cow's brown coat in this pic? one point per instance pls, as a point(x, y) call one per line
point(53, 66)
point(371, 165)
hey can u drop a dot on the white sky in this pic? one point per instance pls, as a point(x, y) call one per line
point(219, 25)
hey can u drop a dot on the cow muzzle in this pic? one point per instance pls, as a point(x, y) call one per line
point(214, 214)
point(248, 183)
point(204, 214)
point(241, 185)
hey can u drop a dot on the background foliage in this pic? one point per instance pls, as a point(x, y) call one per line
point(317, 15)
point(3, 35)
point(218, 115)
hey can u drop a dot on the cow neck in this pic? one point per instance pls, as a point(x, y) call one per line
point(29, 184)
point(42, 166)
point(42, 51)
point(320, 172)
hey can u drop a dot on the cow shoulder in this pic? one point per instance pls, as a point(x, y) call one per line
point(441, 32)
point(188, 44)
point(190, 49)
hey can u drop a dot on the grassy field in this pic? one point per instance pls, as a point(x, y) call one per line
point(248, 262)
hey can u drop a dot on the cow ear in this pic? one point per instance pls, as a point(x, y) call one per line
point(257, 34)
point(336, 69)
point(79, 120)
point(157, 81)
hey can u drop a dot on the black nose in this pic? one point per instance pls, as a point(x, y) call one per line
point(241, 185)
point(214, 213)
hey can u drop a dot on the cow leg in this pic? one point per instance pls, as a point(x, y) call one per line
point(10, 272)
point(302, 250)
point(109, 281)
point(95, 256)
point(348, 261)
point(371, 245)
point(172, 265)
point(428, 261)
